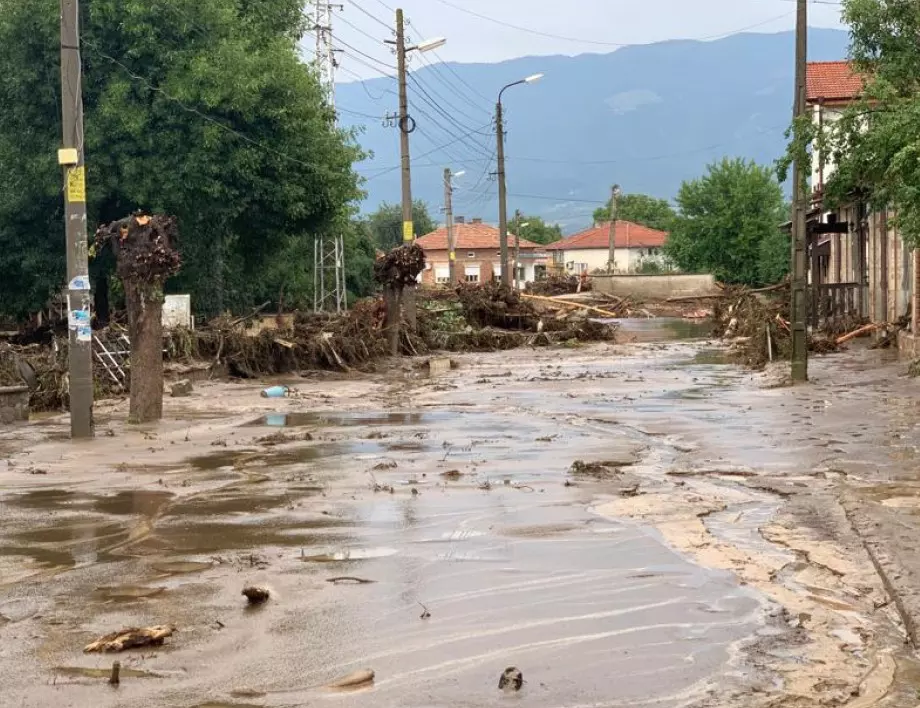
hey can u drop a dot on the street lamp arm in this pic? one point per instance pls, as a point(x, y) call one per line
point(505, 88)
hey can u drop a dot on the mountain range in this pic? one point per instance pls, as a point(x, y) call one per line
point(645, 117)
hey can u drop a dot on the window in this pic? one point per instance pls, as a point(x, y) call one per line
point(471, 274)
point(558, 258)
point(471, 254)
point(442, 275)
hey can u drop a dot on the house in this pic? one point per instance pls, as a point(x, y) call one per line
point(859, 268)
point(478, 256)
point(588, 251)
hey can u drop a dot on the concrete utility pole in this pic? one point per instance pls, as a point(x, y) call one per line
point(517, 247)
point(449, 218)
point(502, 191)
point(408, 230)
point(71, 158)
point(799, 304)
point(612, 235)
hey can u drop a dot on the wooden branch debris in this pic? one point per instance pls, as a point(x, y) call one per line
point(256, 595)
point(865, 329)
point(568, 303)
point(131, 638)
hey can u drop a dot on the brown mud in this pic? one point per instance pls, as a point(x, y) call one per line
point(710, 564)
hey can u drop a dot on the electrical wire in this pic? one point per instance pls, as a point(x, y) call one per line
point(189, 109)
point(371, 15)
point(550, 35)
point(387, 170)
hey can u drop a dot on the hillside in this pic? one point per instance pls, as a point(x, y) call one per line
point(646, 117)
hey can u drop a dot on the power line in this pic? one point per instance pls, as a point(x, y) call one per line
point(387, 170)
point(189, 109)
point(371, 15)
point(550, 35)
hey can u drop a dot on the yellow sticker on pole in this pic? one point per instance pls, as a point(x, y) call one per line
point(453, 256)
point(408, 231)
point(76, 184)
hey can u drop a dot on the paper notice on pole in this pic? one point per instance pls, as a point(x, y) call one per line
point(78, 318)
point(80, 282)
point(408, 231)
point(84, 333)
point(76, 184)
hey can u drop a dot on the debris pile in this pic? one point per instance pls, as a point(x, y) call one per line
point(559, 285)
point(143, 246)
point(758, 326)
point(401, 266)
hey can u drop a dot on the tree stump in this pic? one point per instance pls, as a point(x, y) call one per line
point(145, 258)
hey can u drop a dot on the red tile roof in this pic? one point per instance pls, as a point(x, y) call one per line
point(470, 237)
point(636, 235)
point(832, 81)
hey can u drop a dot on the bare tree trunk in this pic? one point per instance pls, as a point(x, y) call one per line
point(145, 328)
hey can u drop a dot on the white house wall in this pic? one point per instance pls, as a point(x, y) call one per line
point(591, 259)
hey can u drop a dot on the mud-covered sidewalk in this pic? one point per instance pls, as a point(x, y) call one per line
point(436, 530)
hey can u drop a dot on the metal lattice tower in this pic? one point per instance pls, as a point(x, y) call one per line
point(329, 291)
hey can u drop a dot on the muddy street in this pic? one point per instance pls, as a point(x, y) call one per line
point(629, 525)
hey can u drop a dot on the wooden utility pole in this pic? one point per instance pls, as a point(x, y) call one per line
point(612, 233)
point(799, 304)
point(449, 218)
point(71, 159)
point(406, 126)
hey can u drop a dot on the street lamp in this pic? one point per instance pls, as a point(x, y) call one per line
point(502, 191)
point(405, 125)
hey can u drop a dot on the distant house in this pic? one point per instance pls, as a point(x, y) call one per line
point(589, 250)
point(859, 267)
point(477, 248)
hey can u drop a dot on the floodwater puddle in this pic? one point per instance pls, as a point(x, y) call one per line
point(103, 673)
point(181, 567)
point(344, 420)
point(127, 593)
point(350, 554)
point(142, 502)
point(663, 329)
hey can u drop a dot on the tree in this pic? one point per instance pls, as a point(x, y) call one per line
point(200, 109)
point(537, 230)
point(874, 144)
point(640, 209)
point(385, 224)
point(729, 224)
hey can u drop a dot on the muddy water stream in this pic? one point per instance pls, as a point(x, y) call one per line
point(466, 543)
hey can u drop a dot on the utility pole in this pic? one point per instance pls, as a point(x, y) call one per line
point(612, 233)
point(449, 218)
point(406, 126)
point(329, 290)
point(517, 247)
point(799, 227)
point(71, 159)
point(502, 191)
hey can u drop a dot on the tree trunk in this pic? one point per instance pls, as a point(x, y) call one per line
point(145, 328)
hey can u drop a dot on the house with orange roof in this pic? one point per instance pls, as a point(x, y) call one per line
point(859, 267)
point(478, 255)
point(589, 250)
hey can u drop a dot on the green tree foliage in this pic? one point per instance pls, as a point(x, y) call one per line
point(385, 224)
point(729, 225)
point(537, 230)
point(197, 108)
point(874, 145)
point(640, 209)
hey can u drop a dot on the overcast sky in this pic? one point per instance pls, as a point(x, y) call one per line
point(561, 27)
